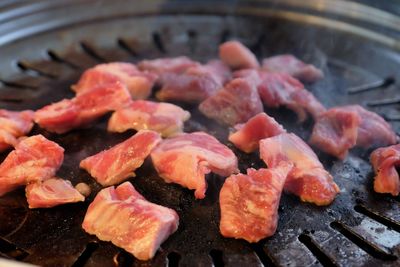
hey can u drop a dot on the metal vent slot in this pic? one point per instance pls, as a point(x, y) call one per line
point(57, 58)
point(84, 257)
point(91, 51)
point(217, 257)
point(158, 42)
point(29, 68)
point(392, 224)
point(317, 251)
point(372, 86)
point(173, 259)
point(122, 43)
point(265, 259)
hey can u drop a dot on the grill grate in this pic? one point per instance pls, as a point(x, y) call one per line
point(359, 228)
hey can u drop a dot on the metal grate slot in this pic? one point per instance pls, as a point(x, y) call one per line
point(173, 259)
point(57, 58)
point(384, 102)
point(371, 249)
point(11, 250)
point(84, 257)
point(124, 259)
point(10, 99)
point(217, 257)
point(17, 85)
point(392, 224)
point(225, 35)
point(89, 50)
point(263, 256)
point(316, 250)
point(126, 47)
point(158, 42)
point(192, 40)
point(29, 68)
point(371, 86)
point(257, 47)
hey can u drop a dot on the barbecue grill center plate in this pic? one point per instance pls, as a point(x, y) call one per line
point(45, 46)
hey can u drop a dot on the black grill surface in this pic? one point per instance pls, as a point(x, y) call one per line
point(360, 228)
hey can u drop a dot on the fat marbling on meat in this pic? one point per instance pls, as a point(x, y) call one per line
point(118, 163)
point(237, 56)
point(164, 118)
point(14, 124)
point(35, 158)
point(249, 203)
point(85, 108)
point(51, 192)
point(293, 66)
point(188, 157)
point(139, 83)
point(308, 179)
point(385, 160)
point(249, 134)
point(124, 217)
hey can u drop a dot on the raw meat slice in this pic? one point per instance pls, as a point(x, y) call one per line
point(164, 118)
point(186, 159)
point(118, 163)
point(308, 178)
point(139, 83)
point(14, 124)
point(335, 131)
point(384, 161)
point(35, 158)
point(248, 134)
point(237, 56)
point(249, 203)
point(220, 70)
point(82, 110)
point(280, 89)
point(50, 193)
point(121, 215)
point(251, 75)
point(167, 65)
point(292, 66)
point(236, 103)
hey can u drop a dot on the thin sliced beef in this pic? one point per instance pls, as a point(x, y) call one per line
point(35, 158)
point(124, 217)
point(384, 161)
point(308, 179)
point(51, 192)
point(236, 103)
point(118, 163)
point(161, 66)
point(187, 158)
point(14, 124)
point(82, 110)
point(139, 83)
point(293, 66)
point(164, 118)
point(237, 56)
point(249, 203)
point(248, 134)
point(281, 89)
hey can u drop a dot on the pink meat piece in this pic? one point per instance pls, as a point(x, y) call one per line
point(118, 163)
point(293, 66)
point(384, 160)
point(82, 110)
point(251, 75)
point(161, 66)
point(139, 83)
point(335, 131)
point(193, 86)
point(164, 118)
point(51, 192)
point(124, 217)
point(187, 158)
point(237, 56)
point(341, 128)
point(308, 178)
point(236, 103)
point(35, 158)
point(249, 203)
point(281, 89)
point(248, 134)
point(220, 70)
point(14, 124)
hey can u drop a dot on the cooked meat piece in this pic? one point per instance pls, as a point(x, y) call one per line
point(121, 215)
point(384, 161)
point(236, 103)
point(340, 128)
point(335, 131)
point(249, 203)
point(164, 118)
point(308, 178)
point(292, 66)
point(82, 110)
point(14, 124)
point(237, 56)
point(84, 189)
point(139, 83)
point(187, 158)
point(281, 89)
point(248, 134)
point(35, 158)
point(118, 163)
point(50, 193)
point(167, 65)
point(220, 70)
point(251, 75)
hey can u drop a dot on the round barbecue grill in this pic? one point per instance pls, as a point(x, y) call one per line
point(46, 45)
